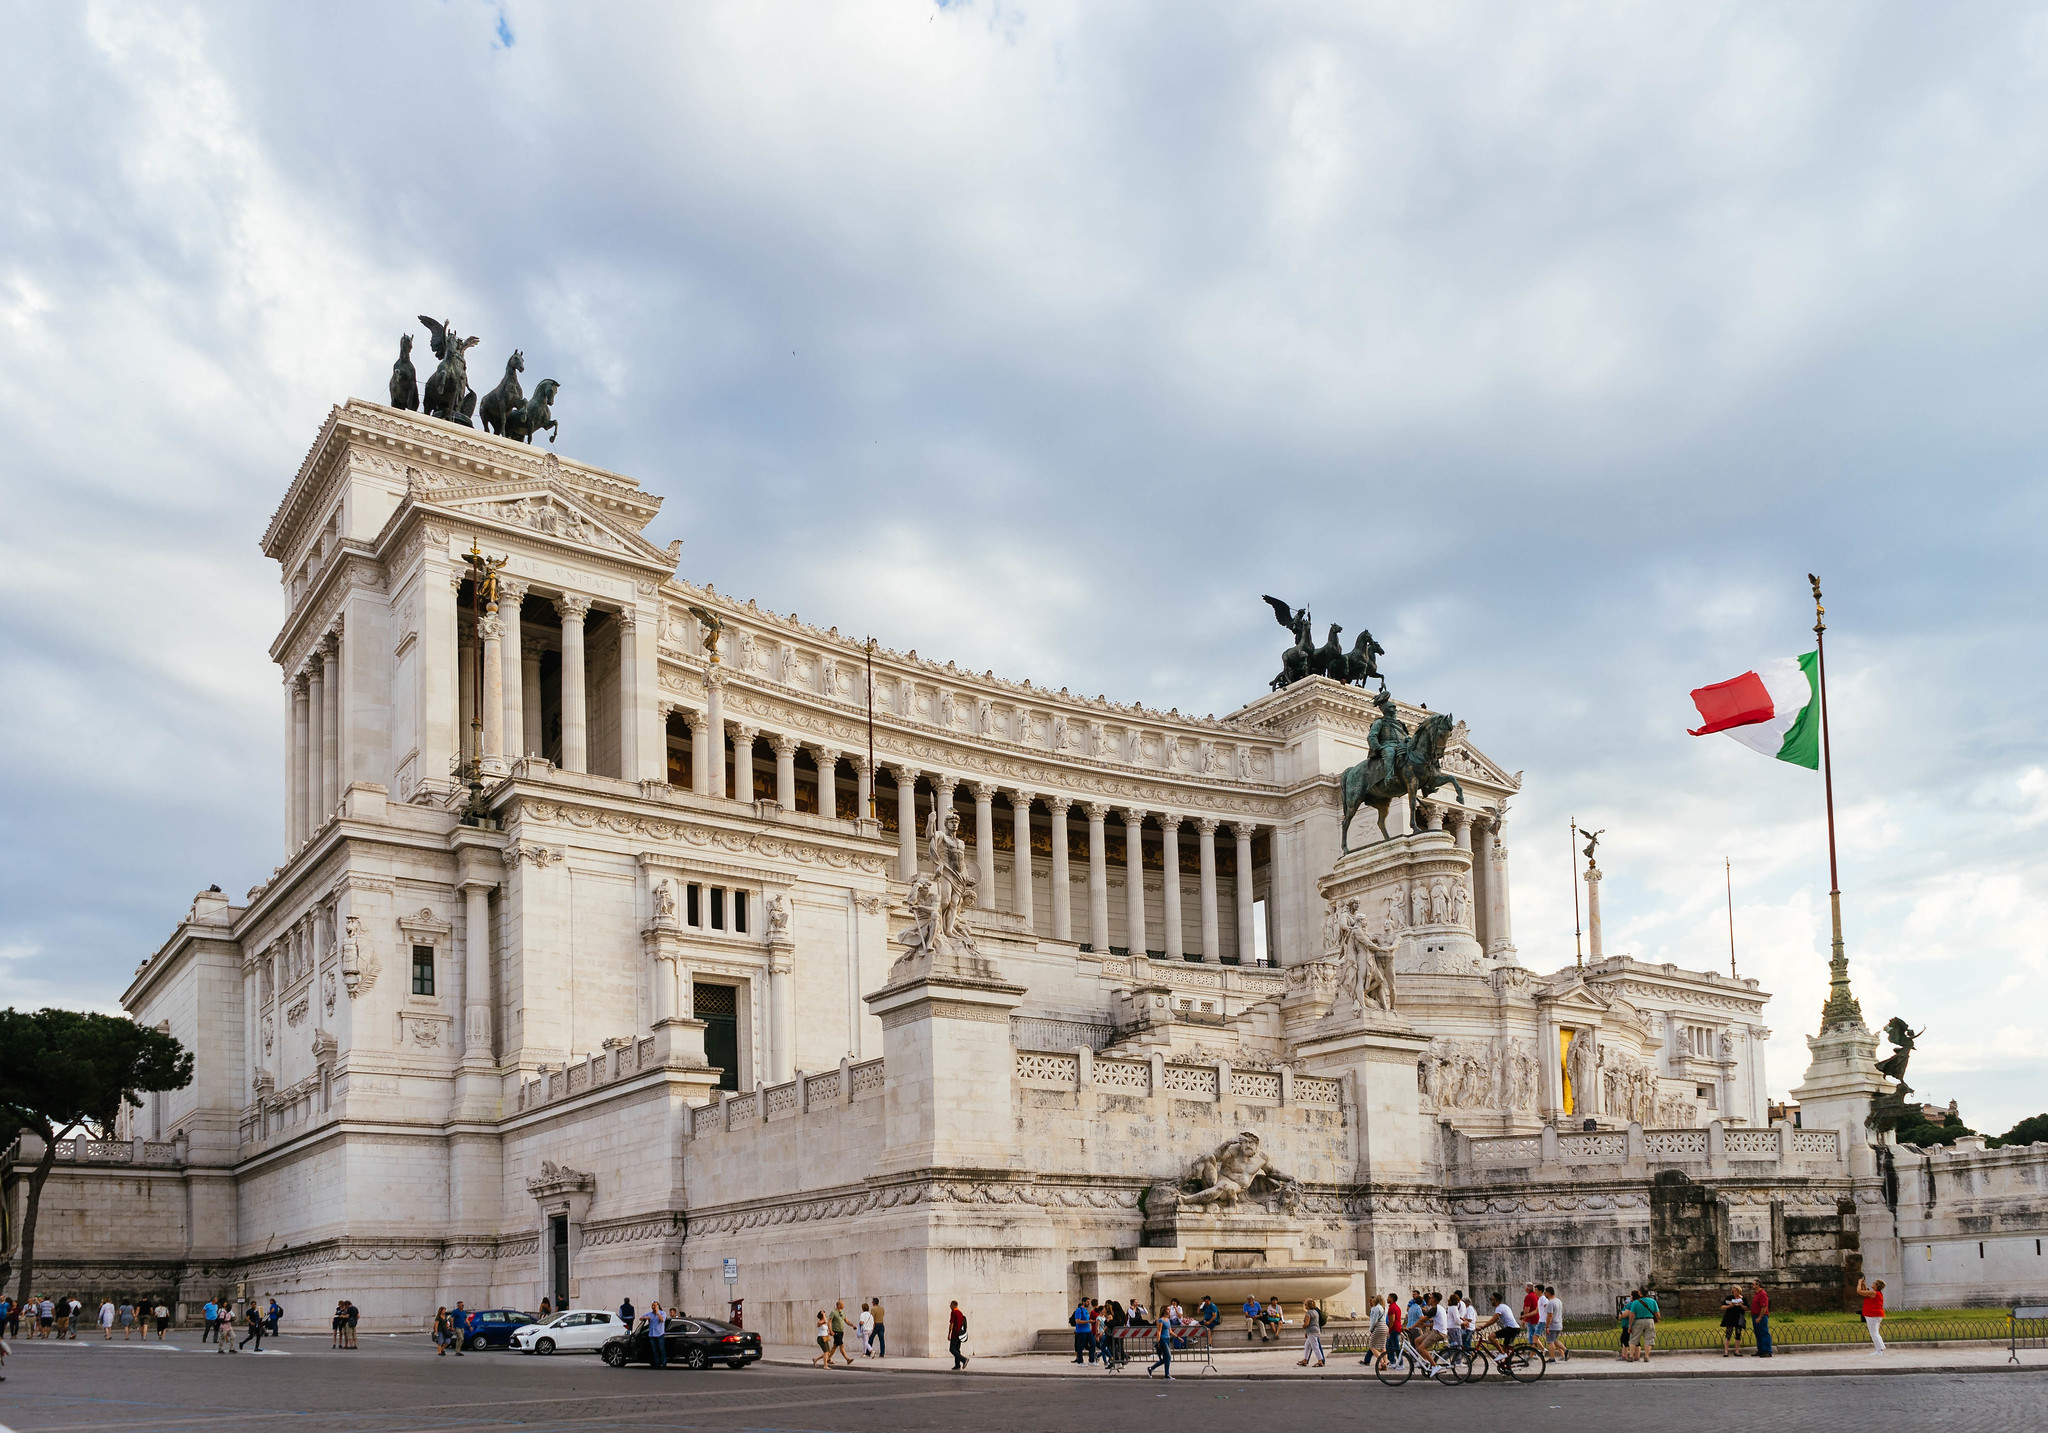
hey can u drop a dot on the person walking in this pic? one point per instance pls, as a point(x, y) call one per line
point(881, 1332)
point(107, 1316)
point(864, 1327)
point(839, 1324)
point(1873, 1313)
point(225, 1341)
point(1760, 1317)
point(163, 1319)
point(1312, 1336)
point(1554, 1329)
point(1375, 1329)
point(956, 1334)
point(824, 1337)
point(1082, 1320)
point(458, 1323)
point(10, 1317)
point(1734, 1313)
point(657, 1335)
point(1162, 1350)
point(273, 1316)
point(211, 1314)
point(254, 1319)
point(441, 1332)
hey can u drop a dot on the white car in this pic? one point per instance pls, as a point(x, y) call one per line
point(570, 1331)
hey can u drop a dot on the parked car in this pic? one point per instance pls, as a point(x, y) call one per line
point(493, 1328)
point(693, 1343)
point(570, 1331)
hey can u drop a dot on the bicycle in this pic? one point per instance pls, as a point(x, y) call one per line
point(1519, 1361)
point(1400, 1363)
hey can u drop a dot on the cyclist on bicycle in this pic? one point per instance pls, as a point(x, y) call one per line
point(1435, 1324)
point(1506, 1327)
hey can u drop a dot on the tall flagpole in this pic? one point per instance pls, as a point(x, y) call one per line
point(1841, 1008)
point(1728, 873)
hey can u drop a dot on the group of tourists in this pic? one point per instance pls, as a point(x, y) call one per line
point(48, 1317)
point(869, 1329)
point(1102, 1329)
point(1429, 1322)
point(133, 1320)
point(343, 1324)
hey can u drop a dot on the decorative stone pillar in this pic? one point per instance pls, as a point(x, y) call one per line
point(530, 733)
point(466, 715)
point(1211, 946)
point(490, 631)
point(316, 721)
point(1060, 880)
point(711, 770)
point(985, 844)
point(1169, 840)
point(1134, 882)
point(1592, 912)
point(784, 747)
point(575, 708)
point(951, 1071)
point(331, 764)
point(1500, 943)
point(631, 718)
point(1461, 827)
point(743, 738)
point(512, 656)
point(1098, 878)
point(864, 789)
point(1247, 924)
point(781, 1002)
point(906, 821)
point(828, 781)
point(479, 868)
point(302, 811)
point(1020, 856)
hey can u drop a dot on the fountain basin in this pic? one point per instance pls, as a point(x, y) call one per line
point(1290, 1284)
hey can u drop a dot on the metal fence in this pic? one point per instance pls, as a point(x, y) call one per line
point(2028, 1329)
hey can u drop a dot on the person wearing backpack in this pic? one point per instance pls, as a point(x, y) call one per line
point(1642, 1329)
point(956, 1331)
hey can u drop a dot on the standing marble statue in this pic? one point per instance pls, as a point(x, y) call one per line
point(953, 877)
point(1367, 962)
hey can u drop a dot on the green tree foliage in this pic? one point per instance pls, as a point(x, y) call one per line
point(1926, 1133)
point(61, 1070)
point(2031, 1130)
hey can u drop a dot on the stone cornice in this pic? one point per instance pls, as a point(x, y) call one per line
point(562, 812)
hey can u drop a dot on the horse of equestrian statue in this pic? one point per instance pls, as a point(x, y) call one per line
point(1360, 664)
point(1407, 768)
point(500, 401)
point(405, 384)
point(523, 422)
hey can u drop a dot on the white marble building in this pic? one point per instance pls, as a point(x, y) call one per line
point(632, 1012)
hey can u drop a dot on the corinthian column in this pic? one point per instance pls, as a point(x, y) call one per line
point(1247, 934)
point(1134, 882)
point(1061, 880)
point(985, 844)
point(575, 746)
point(512, 663)
point(302, 812)
point(316, 716)
point(784, 747)
point(490, 629)
point(1500, 943)
point(1212, 948)
point(1169, 832)
point(906, 821)
point(330, 724)
point(1020, 856)
point(711, 770)
point(476, 976)
point(1098, 879)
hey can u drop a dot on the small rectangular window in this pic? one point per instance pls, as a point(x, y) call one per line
point(718, 907)
point(1980, 1249)
point(692, 911)
point(423, 970)
point(739, 912)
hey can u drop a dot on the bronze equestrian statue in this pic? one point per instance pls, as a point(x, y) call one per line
point(449, 396)
point(405, 384)
point(1398, 766)
point(523, 422)
point(508, 395)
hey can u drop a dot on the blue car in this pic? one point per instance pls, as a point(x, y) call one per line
point(493, 1328)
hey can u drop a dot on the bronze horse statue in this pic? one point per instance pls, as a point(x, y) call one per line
point(1412, 771)
point(523, 422)
point(500, 401)
point(405, 387)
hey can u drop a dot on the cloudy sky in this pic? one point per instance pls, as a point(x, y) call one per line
point(1555, 344)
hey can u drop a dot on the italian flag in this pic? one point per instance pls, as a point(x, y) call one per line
point(1774, 709)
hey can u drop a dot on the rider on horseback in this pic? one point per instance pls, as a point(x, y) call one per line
point(1387, 735)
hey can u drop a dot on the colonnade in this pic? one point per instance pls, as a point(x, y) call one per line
point(315, 765)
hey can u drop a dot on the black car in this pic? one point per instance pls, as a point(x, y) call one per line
point(693, 1343)
point(492, 1328)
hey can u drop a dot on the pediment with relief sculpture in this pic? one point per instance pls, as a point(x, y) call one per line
point(547, 509)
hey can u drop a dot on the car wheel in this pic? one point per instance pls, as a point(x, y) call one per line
point(543, 1345)
point(478, 1342)
point(615, 1355)
point(695, 1359)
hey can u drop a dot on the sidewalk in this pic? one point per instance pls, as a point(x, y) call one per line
point(1274, 1363)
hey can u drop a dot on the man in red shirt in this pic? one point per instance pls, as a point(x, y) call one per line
point(1760, 1317)
point(1873, 1312)
point(956, 1329)
point(1529, 1300)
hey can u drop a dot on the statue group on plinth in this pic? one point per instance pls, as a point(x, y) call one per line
point(939, 903)
point(1399, 765)
point(1238, 1173)
point(1306, 659)
point(1365, 959)
point(505, 410)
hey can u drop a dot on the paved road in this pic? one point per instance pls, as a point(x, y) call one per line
point(402, 1389)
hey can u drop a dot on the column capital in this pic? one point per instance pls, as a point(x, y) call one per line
point(1169, 820)
point(862, 766)
point(1095, 810)
point(983, 790)
point(1207, 825)
point(692, 718)
point(1244, 830)
point(905, 774)
point(1022, 799)
point(742, 734)
point(714, 675)
point(571, 607)
point(1132, 816)
point(665, 710)
point(511, 589)
point(298, 682)
point(1057, 804)
point(329, 645)
point(628, 619)
point(943, 781)
point(783, 744)
point(827, 757)
point(490, 627)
